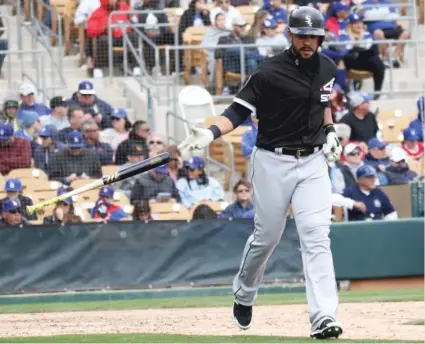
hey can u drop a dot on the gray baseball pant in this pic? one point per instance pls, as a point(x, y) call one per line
point(278, 180)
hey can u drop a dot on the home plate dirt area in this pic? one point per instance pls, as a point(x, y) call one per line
point(360, 321)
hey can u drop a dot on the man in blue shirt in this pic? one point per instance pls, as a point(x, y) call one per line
point(378, 205)
point(242, 205)
point(276, 10)
point(30, 128)
point(398, 172)
point(377, 155)
point(27, 94)
point(417, 124)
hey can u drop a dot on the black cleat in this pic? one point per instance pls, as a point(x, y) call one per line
point(328, 329)
point(242, 315)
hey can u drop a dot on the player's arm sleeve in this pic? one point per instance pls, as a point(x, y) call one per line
point(249, 95)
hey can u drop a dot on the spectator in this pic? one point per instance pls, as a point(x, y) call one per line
point(58, 118)
point(75, 117)
point(255, 29)
point(175, 166)
point(411, 144)
point(137, 136)
point(8, 115)
point(84, 11)
point(366, 201)
point(86, 99)
point(149, 185)
point(135, 155)
point(270, 36)
point(90, 131)
point(204, 212)
point(362, 122)
point(119, 131)
point(43, 153)
point(197, 186)
point(242, 204)
point(196, 15)
point(156, 144)
point(338, 22)
point(224, 7)
point(76, 162)
point(231, 56)
point(398, 171)
point(4, 45)
point(15, 152)
point(11, 215)
point(211, 37)
point(64, 211)
point(377, 155)
point(338, 104)
point(97, 28)
point(13, 188)
point(417, 124)
point(30, 128)
point(105, 207)
point(382, 23)
point(276, 10)
point(27, 94)
point(249, 137)
point(142, 211)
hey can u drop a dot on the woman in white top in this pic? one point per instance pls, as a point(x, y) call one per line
point(119, 131)
point(269, 35)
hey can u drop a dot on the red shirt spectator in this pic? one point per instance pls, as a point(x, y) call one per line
point(411, 144)
point(97, 23)
point(15, 152)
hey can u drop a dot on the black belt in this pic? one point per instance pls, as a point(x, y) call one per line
point(297, 152)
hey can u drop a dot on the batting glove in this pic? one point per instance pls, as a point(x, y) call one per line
point(332, 148)
point(198, 139)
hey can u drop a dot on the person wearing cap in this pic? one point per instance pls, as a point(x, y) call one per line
point(119, 131)
point(10, 215)
point(15, 152)
point(76, 162)
point(58, 117)
point(64, 211)
point(90, 131)
point(229, 12)
point(105, 207)
point(13, 188)
point(44, 152)
point(417, 124)
point(362, 122)
point(338, 21)
point(197, 186)
point(138, 135)
point(86, 99)
point(9, 113)
point(377, 155)
point(376, 204)
point(398, 172)
point(269, 35)
point(27, 95)
point(276, 11)
point(75, 117)
point(30, 128)
point(411, 144)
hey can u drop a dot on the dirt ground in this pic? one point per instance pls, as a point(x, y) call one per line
point(359, 320)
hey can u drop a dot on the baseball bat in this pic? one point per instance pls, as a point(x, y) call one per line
point(120, 174)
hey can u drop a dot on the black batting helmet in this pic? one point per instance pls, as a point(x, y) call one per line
point(306, 20)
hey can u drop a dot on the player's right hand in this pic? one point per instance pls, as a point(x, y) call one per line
point(198, 139)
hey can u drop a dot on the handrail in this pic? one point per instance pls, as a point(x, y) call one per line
point(9, 60)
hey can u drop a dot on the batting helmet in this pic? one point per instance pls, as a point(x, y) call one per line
point(306, 20)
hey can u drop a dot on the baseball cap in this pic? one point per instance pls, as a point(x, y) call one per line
point(357, 98)
point(45, 132)
point(352, 18)
point(239, 21)
point(135, 150)
point(161, 169)
point(338, 6)
point(196, 162)
point(351, 147)
point(10, 205)
point(75, 139)
point(375, 143)
point(58, 101)
point(365, 171)
point(342, 130)
point(269, 24)
point(10, 103)
point(107, 191)
point(119, 113)
point(410, 134)
point(27, 89)
point(398, 154)
point(86, 87)
point(63, 189)
point(29, 117)
point(6, 131)
point(13, 185)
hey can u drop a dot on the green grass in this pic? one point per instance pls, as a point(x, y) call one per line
point(215, 301)
point(154, 338)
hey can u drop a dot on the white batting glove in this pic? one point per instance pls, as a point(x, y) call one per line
point(332, 148)
point(198, 139)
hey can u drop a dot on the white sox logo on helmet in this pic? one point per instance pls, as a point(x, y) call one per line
point(308, 20)
point(327, 90)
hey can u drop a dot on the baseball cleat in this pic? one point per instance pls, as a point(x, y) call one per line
point(242, 315)
point(328, 329)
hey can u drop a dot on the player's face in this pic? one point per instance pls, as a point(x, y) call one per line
point(305, 45)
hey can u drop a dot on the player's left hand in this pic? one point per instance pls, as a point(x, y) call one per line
point(332, 148)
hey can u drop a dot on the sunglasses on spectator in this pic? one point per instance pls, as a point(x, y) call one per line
point(92, 131)
point(242, 191)
point(146, 130)
point(115, 118)
point(354, 154)
point(45, 137)
point(13, 211)
point(156, 142)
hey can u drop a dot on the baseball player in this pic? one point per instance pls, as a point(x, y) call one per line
point(290, 94)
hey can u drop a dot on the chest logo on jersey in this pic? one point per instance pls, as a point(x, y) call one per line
point(326, 90)
point(377, 203)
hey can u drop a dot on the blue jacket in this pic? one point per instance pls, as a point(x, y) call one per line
point(249, 138)
point(370, 160)
point(41, 109)
point(235, 211)
point(43, 155)
point(104, 151)
point(397, 175)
